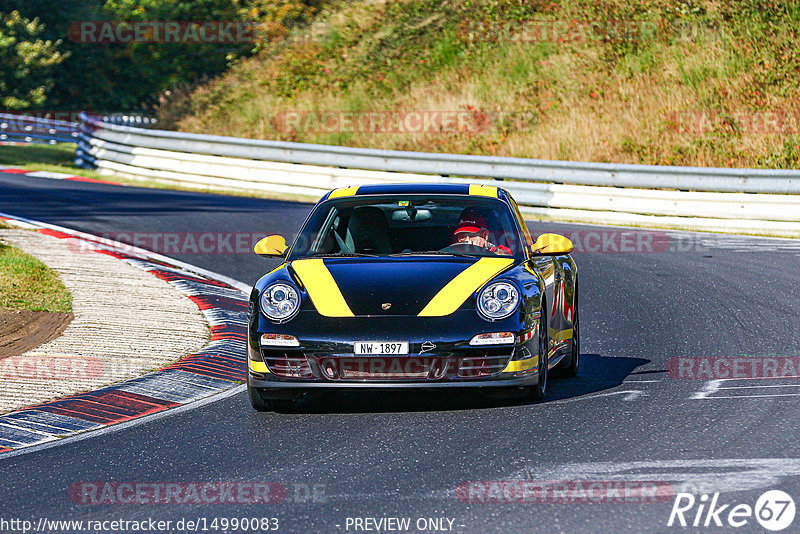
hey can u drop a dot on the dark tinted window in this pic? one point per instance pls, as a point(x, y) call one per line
point(406, 224)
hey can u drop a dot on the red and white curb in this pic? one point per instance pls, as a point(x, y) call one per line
point(217, 368)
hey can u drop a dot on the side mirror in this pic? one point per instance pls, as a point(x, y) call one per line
point(552, 245)
point(274, 245)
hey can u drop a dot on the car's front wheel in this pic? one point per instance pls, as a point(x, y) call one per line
point(570, 366)
point(281, 405)
point(262, 404)
point(256, 400)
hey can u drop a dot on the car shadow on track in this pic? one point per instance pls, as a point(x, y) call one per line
point(598, 373)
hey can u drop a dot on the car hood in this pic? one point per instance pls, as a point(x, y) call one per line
point(416, 285)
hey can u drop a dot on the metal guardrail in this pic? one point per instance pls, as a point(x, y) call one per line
point(736, 200)
point(137, 121)
point(29, 129)
point(25, 129)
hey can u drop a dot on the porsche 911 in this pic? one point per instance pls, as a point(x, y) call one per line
point(412, 286)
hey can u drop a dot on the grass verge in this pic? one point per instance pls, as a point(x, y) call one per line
point(28, 284)
point(52, 158)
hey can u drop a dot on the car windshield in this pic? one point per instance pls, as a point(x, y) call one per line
point(408, 225)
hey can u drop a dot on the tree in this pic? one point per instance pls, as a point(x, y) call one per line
point(26, 62)
point(117, 76)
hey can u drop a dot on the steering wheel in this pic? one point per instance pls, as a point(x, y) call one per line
point(464, 248)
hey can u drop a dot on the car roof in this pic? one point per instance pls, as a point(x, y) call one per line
point(418, 188)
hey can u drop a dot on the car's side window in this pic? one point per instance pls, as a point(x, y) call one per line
point(523, 227)
point(328, 241)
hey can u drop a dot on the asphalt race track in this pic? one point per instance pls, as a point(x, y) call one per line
point(625, 419)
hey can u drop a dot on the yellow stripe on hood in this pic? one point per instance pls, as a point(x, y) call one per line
point(322, 288)
point(452, 296)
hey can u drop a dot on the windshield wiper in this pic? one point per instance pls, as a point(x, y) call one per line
point(428, 253)
point(344, 255)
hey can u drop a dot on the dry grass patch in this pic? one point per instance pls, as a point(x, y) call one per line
point(590, 100)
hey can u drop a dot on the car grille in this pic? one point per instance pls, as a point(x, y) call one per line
point(466, 364)
point(377, 368)
point(287, 365)
point(487, 363)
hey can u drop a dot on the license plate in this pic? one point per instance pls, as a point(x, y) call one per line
point(380, 347)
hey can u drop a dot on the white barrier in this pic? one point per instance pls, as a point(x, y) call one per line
point(735, 200)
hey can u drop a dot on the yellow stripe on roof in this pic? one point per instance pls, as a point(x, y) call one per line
point(322, 288)
point(452, 296)
point(344, 192)
point(483, 190)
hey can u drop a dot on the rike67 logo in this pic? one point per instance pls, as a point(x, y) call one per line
point(774, 510)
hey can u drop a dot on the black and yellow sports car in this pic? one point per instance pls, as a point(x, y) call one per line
point(412, 286)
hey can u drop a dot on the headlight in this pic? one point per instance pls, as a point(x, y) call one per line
point(498, 300)
point(280, 302)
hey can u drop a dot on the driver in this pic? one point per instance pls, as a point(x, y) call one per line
point(472, 230)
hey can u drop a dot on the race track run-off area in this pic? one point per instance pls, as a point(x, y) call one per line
point(687, 396)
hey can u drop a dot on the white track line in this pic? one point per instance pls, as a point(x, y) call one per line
point(765, 386)
point(753, 396)
point(710, 388)
point(93, 433)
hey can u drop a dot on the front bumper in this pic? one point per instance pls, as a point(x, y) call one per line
point(450, 364)
point(265, 385)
